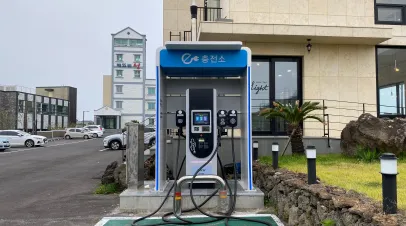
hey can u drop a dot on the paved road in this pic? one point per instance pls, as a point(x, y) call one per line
point(54, 185)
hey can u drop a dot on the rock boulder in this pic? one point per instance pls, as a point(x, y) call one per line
point(108, 176)
point(388, 135)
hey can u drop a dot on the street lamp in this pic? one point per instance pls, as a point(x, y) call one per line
point(84, 118)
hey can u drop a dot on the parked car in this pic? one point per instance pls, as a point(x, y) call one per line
point(4, 144)
point(119, 141)
point(72, 133)
point(149, 136)
point(115, 141)
point(95, 132)
point(21, 138)
point(95, 128)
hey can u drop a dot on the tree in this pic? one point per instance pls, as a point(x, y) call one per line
point(294, 115)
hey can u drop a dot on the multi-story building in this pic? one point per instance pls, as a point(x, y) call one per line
point(23, 109)
point(348, 55)
point(65, 93)
point(131, 94)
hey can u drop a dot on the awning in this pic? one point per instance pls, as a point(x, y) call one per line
point(250, 32)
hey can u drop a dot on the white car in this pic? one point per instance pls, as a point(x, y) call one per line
point(72, 133)
point(119, 141)
point(21, 138)
point(99, 130)
point(4, 144)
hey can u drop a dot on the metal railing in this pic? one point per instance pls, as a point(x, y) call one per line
point(203, 14)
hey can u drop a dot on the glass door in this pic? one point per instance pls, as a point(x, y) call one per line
point(274, 79)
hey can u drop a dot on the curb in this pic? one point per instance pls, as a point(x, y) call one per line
point(55, 139)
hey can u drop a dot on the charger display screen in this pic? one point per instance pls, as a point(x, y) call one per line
point(201, 118)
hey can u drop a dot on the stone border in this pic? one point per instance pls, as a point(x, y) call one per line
point(298, 203)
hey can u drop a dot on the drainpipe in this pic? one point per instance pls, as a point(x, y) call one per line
point(193, 11)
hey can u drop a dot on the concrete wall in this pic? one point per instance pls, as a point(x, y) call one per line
point(339, 73)
point(347, 13)
point(59, 92)
point(107, 90)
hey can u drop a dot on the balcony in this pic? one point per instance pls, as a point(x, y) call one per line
point(204, 14)
point(254, 32)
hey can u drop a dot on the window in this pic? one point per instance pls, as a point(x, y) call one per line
point(72, 130)
point(79, 130)
point(391, 82)
point(119, 88)
point(137, 58)
point(53, 109)
point(119, 73)
point(21, 106)
point(149, 130)
point(39, 108)
point(59, 110)
point(119, 104)
point(137, 73)
point(30, 107)
point(119, 57)
point(151, 121)
point(151, 90)
point(274, 79)
point(136, 42)
point(65, 110)
point(12, 133)
point(45, 108)
point(151, 105)
point(390, 11)
point(120, 42)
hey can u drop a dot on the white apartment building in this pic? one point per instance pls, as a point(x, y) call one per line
point(132, 94)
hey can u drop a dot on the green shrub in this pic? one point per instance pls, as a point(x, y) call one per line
point(366, 154)
point(105, 189)
point(328, 222)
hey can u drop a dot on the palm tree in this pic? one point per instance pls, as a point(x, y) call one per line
point(294, 115)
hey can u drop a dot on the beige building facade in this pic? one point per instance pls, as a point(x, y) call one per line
point(347, 54)
point(107, 84)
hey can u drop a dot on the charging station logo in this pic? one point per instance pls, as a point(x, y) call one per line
point(192, 144)
point(188, 59)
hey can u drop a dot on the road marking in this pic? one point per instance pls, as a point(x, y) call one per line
point(22, 150)
point(104, 149)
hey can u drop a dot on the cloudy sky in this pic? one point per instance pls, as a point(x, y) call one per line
point(68, 42)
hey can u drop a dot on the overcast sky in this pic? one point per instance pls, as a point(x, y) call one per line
point(68, 42)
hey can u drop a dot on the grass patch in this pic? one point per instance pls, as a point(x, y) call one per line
point(104, 189)
point(348, 173)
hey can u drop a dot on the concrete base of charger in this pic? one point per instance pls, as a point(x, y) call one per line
point(145, 199)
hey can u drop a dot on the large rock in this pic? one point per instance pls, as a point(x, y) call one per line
point(108, 176)
point(120, 176)
point(369, 131)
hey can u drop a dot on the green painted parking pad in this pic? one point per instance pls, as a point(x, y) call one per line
point(127, 221)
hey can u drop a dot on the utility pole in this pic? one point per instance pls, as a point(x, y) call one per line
point(84, 118)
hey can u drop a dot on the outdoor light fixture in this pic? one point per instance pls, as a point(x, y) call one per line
point(255, 146)
point(309, 45)
point(275, 155)
point(396, 68)
point(389, 171)
point(311, 164)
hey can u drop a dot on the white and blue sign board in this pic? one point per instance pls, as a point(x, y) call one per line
point(204, 61)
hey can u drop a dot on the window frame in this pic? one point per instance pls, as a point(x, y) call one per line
point(378, 101)
point(149, 94)
point(117, 74)
point(139, 73)
point(383, 5)
point(117, 58)
point(151, 102)
point(121, 103)
point(135, 56)
point(272, 60)
point(117, 89)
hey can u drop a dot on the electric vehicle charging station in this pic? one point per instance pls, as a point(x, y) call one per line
point(201, 87)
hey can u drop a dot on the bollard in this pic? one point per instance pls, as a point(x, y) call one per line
point(275, 155)
point(311, 164)
point(389, 171)
point(255, 151)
